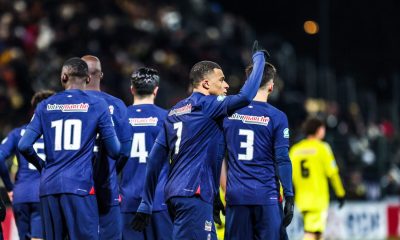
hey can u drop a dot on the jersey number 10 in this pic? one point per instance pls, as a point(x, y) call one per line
point(71, 129)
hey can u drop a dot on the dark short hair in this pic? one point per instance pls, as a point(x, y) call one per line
point(40, 96)
point(145, 80)
point(268, 74)
point(200, 70)
point(311, 125)
point(76, 67)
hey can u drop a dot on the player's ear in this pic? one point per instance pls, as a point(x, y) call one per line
point(205, 84)
point(271, 87)
point(64, 78)
point(88, 79)
point(133, 90)
point(101, 75)
point(155, 91)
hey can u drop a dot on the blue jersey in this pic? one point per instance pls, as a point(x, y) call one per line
point(26, 187)
point(69, 122)
point(252, 134)
point(193, 135)
point(146, 121)
point(105, 175)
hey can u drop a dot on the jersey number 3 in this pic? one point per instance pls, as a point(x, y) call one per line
point(248, 144)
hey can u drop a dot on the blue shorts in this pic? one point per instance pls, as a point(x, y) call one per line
point(28, 220)
point(160, 227)
point(70, 215)
point(192, 218)
point(110, 223)
point(254, 222)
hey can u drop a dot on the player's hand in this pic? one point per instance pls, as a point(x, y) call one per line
point(140, 221)
point(11, 196)
point(3, 210)
point(257, 48)
point(341, 201)
point(288, 211)
point(218, 207)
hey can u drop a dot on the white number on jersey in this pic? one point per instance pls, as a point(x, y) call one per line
point(138, 148)
point(36, 146)
point(71, 129)
point(178, 126)
point(248, 145)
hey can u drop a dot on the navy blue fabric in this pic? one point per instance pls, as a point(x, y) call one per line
point(192, 218)
point(110, 223)
point(69, 122)
point(70, 215)
point(28, 220)
point(284, 170)
point(252, 135)
point(259, 222)
point(160, 227)
point(146, 121)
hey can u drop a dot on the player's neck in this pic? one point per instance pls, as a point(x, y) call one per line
point(75, 86)
point(143, 100)
point(201, 90)
point(262, 96)
point(93, 85)
point(312, 137)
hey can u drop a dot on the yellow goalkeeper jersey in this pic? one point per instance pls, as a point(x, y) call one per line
point(313, 163)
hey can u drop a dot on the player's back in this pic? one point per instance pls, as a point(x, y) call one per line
point(252, 134)
point(69, 122)
point(309, 158)
point(105, 176)
point(26, 186)
point(146, 121)
point(195, 141)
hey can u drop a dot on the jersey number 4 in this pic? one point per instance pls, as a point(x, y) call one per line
point(138, 148)
point(70, 130)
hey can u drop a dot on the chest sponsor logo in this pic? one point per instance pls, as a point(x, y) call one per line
point(79, 107)
point(249, 119)
point(180, 111)
point(138, 122)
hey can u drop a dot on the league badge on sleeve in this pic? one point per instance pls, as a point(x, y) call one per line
point(286, 133)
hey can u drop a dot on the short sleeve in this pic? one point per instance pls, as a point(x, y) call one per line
point(36, 121)
point(329, 160)
point(281, 130)
point(105, 123)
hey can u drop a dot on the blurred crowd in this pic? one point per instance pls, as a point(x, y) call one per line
point(170, 36)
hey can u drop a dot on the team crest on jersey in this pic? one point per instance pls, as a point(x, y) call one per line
point(182, 110)
point(140, 122)
point(249, 119)
point(80, 107)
